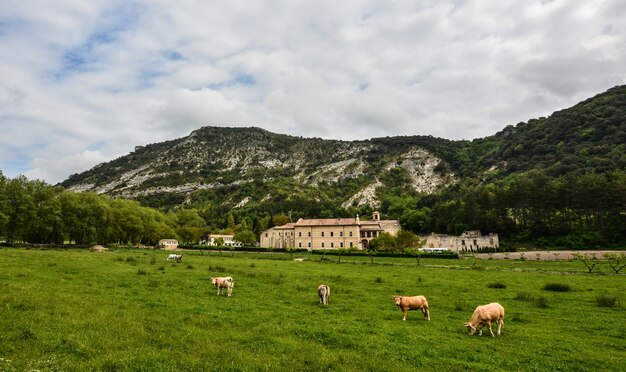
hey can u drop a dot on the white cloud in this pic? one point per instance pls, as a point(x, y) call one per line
point(84, 82)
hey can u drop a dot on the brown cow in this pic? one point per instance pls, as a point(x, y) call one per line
point(486, 314)
point(412, 303)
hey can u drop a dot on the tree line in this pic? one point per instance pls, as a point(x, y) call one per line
point(35, 212)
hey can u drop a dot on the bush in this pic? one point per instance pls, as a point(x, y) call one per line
point(524, 296)
point(496, 285)
point(607, 301)
point(379, 280)
point(557, 287)
point(142, 272)
point(541, 302)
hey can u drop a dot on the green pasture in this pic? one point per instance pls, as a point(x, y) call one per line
point(132, 310)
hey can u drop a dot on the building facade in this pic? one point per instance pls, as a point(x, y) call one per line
point(168, 244)
point(229, 240)
point(469, 241)
point(328, 233)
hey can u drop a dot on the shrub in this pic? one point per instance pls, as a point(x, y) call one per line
point(557, 287)
point(142, 272)
point(541, 302)
point(524, 296)
point(607, 301)
point(219, 269)
point(496, 285)
point(379, 280)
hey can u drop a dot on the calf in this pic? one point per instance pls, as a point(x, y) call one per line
point(412, 303)
point(175, 258)
point(486, 314)
point(223, 282)
point(323, 291)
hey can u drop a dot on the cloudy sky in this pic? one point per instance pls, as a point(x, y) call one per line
point(83, 82)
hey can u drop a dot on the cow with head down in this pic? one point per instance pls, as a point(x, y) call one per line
point(175, 258)
point(485, 314)
point(223, 282)
point(323, 292)
point(406, 303)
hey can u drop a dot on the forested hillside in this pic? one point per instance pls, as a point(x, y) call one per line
point(555, 181)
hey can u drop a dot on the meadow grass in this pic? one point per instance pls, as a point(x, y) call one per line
point(131, 310)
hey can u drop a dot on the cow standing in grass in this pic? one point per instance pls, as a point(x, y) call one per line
point(323, 291)
point(406, 303)
point(175, 257)
point(486, 314)
point(224, 282)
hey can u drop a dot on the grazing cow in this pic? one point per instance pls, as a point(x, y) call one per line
point(486, 314)
point(406, 303)
point(175, 258)
point(323, 291)
point(223, 282)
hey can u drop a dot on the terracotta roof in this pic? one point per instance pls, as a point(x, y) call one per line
point(289, 225)
point(327, 222)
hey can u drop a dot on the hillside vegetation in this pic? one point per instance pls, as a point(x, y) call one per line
point(556, 181)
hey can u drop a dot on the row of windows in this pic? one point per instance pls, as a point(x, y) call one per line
point(332, 234)
point(332, 245)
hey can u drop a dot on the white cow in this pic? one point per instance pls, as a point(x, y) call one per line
point(486, 314)
point(175, 257)
point(323, 291)
point(224, 282)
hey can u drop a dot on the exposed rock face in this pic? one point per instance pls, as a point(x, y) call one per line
point(213, 157)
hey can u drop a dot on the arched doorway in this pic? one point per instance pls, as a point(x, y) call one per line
point(364, 243)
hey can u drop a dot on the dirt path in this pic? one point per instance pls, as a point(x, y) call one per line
point(542, 255)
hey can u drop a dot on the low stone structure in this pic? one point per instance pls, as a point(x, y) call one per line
point(468, 241)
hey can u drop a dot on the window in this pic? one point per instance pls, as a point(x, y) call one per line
point(309, 244)
point(266, 235)
point(340, 244)
point(322, 234)
point(309, 234)
point(332, 234)
point(332, 245)
point(300, 234)
point(340, 233)
point(299, 244)
point(350, 233)
point(322, 244)
point(350, 244)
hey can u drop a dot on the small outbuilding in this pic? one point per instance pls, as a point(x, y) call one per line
point(168, 244)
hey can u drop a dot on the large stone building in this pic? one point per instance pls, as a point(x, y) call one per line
point(469, 241)
point(328, 233)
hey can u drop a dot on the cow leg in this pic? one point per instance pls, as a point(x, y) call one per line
point(426, 313)
point(490, 330)
point(404, 314)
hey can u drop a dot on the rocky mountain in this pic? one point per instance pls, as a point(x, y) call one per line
point(251, 166)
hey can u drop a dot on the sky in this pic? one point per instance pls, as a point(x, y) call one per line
point(84, 82)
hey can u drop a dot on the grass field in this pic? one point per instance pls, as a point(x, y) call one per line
point(131, 310)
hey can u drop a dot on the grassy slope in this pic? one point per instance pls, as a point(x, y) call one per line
point(78, 310)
